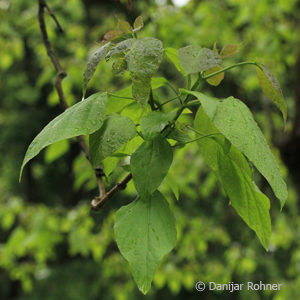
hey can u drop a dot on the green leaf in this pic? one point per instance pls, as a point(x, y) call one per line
point(252, 205)
point(208, 59)
point(119, 66)
point(150, 164)
point(143, 61)
point(92, 64)
point(235, 174)
point(145, 232)
point(141, 88)
point(194, 59)
point(138, 24)
point(124, 27)
point(229, 50)
point(188, 58)
point(116, 131)
point(235, 121)
point(119, 48)
point(145, 56)
point(157, 82)
point(154, 122)
point(55, 151)
point(271, 88)
point(215, 80)
point(172, 55)
point(83, 118)
point(117, 101)
point(179, 136)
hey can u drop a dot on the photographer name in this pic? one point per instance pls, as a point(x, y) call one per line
point(254, 286)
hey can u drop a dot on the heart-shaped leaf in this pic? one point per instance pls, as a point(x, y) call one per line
point(145, 232)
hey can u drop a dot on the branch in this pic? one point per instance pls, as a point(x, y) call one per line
point(98, 202)
point(61, 74)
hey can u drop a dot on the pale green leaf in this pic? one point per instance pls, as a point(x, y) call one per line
point(145, 232)
point(188, 58)
point(235, 121)
point(143, 61)
point(208, 59)
point(124, 27)
point(92, 64)
point(138, 24)
point(141, 88)
point(215, 80)
point(116, 131)
point(83, 118)
point(172, 55)
point(119, 48)
point(145, 56)
point(154, 122)
point(119, 66)
point(271, 88)
point(150, 164)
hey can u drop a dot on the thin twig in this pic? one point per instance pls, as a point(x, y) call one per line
point(53, 17)
point(61, 74)
point(98, 202)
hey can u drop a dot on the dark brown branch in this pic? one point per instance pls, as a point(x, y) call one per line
point(53, 17)
point(61, 74)
point(98, 202)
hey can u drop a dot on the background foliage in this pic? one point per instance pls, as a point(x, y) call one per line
point(52, 246)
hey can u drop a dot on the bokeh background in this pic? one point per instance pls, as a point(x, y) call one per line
point(51, 245)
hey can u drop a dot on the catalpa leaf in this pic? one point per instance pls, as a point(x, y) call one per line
point(143, 61)
point(116, 131)
point(235, 121)
point(92, 64)
point(138, 24)
point(215, 80)
point(124, 27)
point(229, 50)
point(150, 164)
point(154, 122)
point(157, 82)
point(141, 88)
point(234, 172)
point(83, 118)
point(271, 88)
point(252, 205)
point(188, 58)
point(145, 232)
point(122, 98)
point(172, 55)
point(208, 59)
point(119, 66)
point(145, 56)
point(119, 48)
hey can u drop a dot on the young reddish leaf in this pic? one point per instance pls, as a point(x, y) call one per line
point(111, 35)
point(215, 49)
point(229, 50)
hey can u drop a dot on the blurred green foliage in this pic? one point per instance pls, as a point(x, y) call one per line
point(52, 246)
